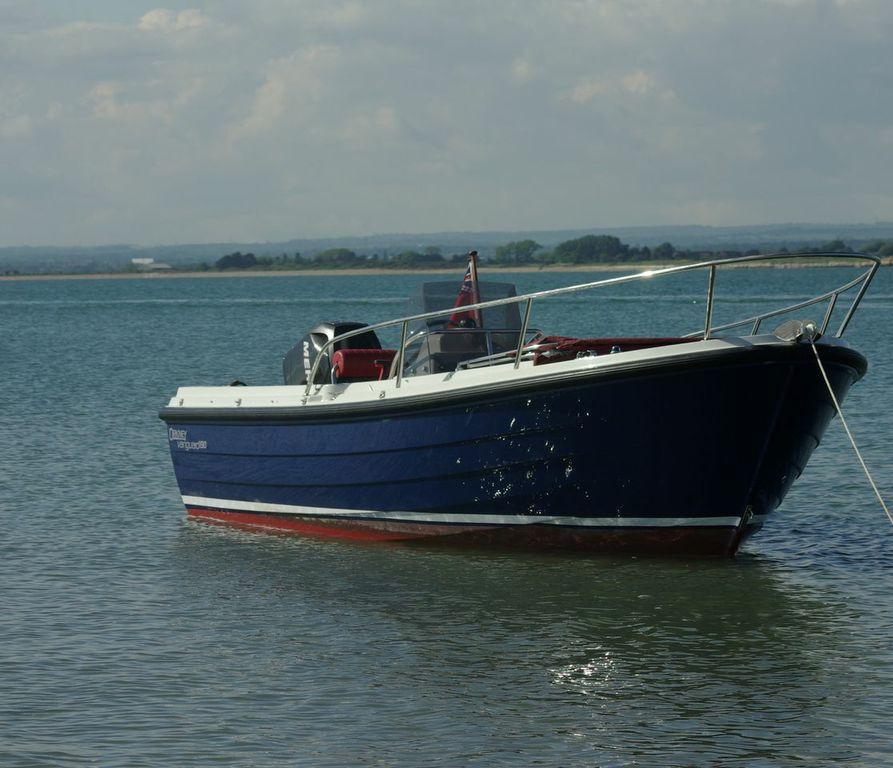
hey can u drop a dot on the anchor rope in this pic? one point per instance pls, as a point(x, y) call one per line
point(849, 434)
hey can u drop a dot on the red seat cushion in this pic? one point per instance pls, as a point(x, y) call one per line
point(559, 348)
point(362, 364)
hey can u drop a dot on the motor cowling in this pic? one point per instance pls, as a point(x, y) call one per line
point(299, 360)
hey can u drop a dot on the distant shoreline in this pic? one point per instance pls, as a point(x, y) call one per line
point(632, 268)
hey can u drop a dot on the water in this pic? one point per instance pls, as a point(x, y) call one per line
point(130, 637)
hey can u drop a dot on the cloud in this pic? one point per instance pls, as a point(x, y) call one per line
point(522, 71)
point(366, 129)
point(636, 83)
point(587, 89)
point(306, 117)
point(163, 20)
point(292, 86)
point(15, 127)
point(108, 104)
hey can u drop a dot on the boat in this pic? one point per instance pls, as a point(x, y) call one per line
point(476, 428)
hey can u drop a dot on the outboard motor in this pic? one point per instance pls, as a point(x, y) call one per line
point(299, 360)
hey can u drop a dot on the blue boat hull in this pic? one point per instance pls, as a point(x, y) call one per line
point(685, 459)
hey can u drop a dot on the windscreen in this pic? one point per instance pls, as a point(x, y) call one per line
point(431, 297)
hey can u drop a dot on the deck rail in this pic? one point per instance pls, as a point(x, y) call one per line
point(821, 259)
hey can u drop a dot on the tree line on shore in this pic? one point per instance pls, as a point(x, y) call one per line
point(589, 249)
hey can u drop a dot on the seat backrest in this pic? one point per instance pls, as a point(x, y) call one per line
point(361, 364)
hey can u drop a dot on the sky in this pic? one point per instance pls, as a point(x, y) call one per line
point(126, 121)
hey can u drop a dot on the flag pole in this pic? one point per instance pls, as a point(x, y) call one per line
point(475, 289)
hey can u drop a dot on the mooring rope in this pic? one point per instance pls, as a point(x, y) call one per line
point(848, 433)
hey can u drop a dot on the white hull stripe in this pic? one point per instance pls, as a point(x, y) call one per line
point(449, 518)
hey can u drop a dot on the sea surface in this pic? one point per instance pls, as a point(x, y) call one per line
point(131, 637)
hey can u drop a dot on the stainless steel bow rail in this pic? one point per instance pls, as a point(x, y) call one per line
point(820, 259)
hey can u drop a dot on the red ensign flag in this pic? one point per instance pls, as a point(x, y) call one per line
point(468, 293)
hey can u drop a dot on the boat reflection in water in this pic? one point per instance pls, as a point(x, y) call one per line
point(610, 658)
point(478, 428)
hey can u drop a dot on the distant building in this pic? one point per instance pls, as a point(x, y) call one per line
point(149, 265)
